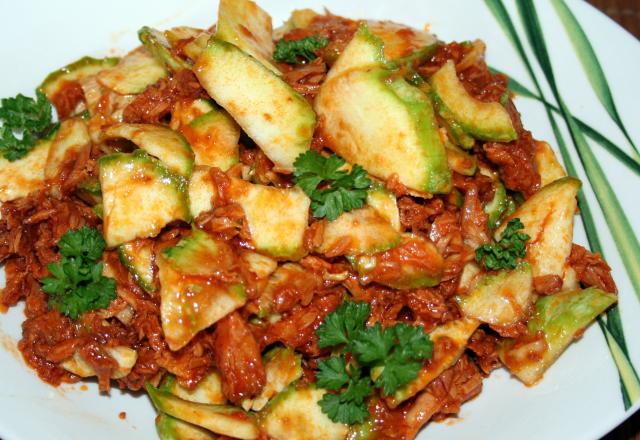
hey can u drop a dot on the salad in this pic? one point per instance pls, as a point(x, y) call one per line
point(334, 229)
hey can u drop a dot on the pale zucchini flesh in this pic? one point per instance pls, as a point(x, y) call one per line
point(457, 333)
point(246, 25)
point(125, 357)
point(558, 320)
point(361, 231)
point(208, 390)
point(278, 119)
point(139, 258)
point(294, 414)
point(76, 71)
point(140, 196)
point(275, 234)
point(547, 164)
point(156, 42)
point(71, 138)
point(385, 204)
point(220, 419)
point(384, 146)
point(487, 121)
point(364, 51)
point(399, 40)
point(202, 191)
point(547, 217)
point(170, 428)
point(191, 299)
point(214, 138)
point(133, 74)
point(24, 176)
point(282, 367)
point(501, 298)
point(167, 145)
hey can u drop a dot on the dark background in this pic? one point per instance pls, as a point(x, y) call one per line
point(627, 14)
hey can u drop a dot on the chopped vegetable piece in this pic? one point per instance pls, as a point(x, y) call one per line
point(77, 284)
point(504, 253)
point(21, 177)
point(299, 51)
point(332, 189)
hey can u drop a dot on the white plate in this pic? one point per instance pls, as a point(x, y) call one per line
point(580, 396)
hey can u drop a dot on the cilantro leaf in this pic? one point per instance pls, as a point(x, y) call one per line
point(332, 189)
point(504, 253)
point(373, 344)
point(76, 284)
point(340, 326)
point(349, 406)
point(292, 51)
point(396, 373)
point(24, 121)
point(332, 373)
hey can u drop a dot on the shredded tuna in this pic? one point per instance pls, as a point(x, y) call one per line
point(591, 269)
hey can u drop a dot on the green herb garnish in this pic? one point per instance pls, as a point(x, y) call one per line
point(77, 284)
point(293, 50)
point(384, 358)
point(332, 189)
point(504, 253)
point(24, 121)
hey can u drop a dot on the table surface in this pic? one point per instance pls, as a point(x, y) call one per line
point(627, 14)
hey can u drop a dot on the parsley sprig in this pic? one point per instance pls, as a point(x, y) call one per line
point(76, 284)
point(504, 253)
point(384, 358)
point(24, 121)
point(299, 51)
point(332, 189)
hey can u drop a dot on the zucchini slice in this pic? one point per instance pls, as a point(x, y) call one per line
point(202, 191)
point(76, 71)
point(156, 43)
point(186, 111)
point(399, 40)
point(547, 164)
point(138, 257)
point(488, 121)
point(282, 367)
point(220, 419)
point(278, 235)
point(208, 390)
point(558, 320)
point(140, 196)
point(383, 146)
point(495, 209)
point(71, 138)
point(277, 118)
point(191, 298)
point(24, 176)
point(361, 231)
point(460, 161)
point(165, 144)
point(294, 414)
point(547, 217)
point(125, 357)
point(170, 428)
point(134, 73)
point(247, 26)
point(414, 263)
point(449, 342)
point(385, 204)
point(500, 299)
point(259, 265)
point(364, 51)
point(214, 139)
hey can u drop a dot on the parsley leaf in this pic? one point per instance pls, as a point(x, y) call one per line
point(348, 406)
point(340, 326)
point(24, 121)
point(76, 284)
point(392, 356)
point(395, 353)
point(332, 189)
point(291, 51)
point(332, 373)
point(504, 253)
